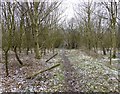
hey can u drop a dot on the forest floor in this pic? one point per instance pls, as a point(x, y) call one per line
point(78, 71)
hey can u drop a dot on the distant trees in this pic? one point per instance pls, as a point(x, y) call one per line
point(29, 25)
point(89, 25)
point(8, 28)
point(98, 25)
point(72, 35)
point(112, 10)
point(118, 18)
point(36, 27)
point(118, 38)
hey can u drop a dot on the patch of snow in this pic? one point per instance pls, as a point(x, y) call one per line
point(112, 78)
point(16, 72)
point(99, 52)
point(27, 57)
point(22, 59)
point(12, 59)
point(41, 88)
point(21, 69)
point(115, 59)
point(1, 88)
point(14, 89)
point(114, 72)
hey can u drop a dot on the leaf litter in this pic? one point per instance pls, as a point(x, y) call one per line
point(93, 74)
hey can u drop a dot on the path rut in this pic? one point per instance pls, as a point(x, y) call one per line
point(72, 78)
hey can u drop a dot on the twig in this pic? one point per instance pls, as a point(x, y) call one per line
point(37, 73)
point(51, 57)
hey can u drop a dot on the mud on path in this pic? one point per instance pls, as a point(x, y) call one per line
point(72, 78)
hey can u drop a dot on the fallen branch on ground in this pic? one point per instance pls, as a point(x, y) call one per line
point(35, 74)
point(51, 57)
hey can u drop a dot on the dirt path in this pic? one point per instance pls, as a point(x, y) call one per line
point(1, 74)
point(71, 75)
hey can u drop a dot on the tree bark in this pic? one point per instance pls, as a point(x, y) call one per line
point(6, 63)
point(104, 51)
point(17, 57)
point(36, 49)
point(110, 56)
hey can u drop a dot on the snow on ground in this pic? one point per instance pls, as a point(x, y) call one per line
point(94, 73)
point(50, 81)
point(1, 87)
point(99, 77)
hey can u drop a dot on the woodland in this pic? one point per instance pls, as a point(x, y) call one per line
point(43, 51)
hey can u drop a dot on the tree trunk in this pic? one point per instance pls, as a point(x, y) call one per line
point(89, 46)
point(114, 42)
point(17, 57)
point(110, 56)
point(114, 53)
point(36, 49)
point(27, 50)
point(19, 49)
point(44, 51)
point(6, 63)
point(104, 51)
point(53, 50)
point(31, 51)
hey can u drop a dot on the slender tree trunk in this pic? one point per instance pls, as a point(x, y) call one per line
point(6, 63)
point(41, 51)
point(31, 51)
point(89, 46)
point(104, 51)
point(110, 56)
point(36, 49)
point(17, 57)
point(114, 53)
point(108, 49)
point(114, 42)
point(44, 51)
point(19, 49)
point(53, 49)
point(27, 50)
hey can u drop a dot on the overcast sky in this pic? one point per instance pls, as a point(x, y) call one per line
point(70, 4)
